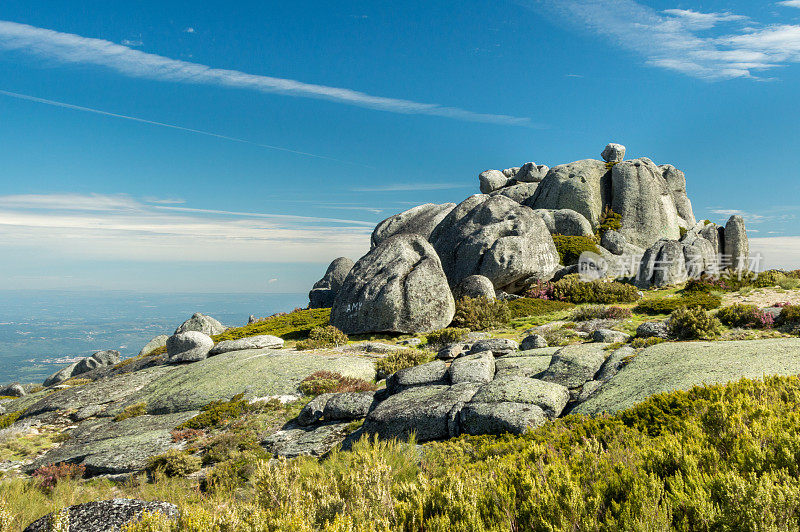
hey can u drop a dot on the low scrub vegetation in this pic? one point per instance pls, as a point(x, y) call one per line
point(573, 290)
point(667, 305)
point(600, 312)
point(136, 410)
point(49, 475)
point(642, 343)
point(443, 337)
point(323, 337)
point(406, 358)
point(694, 324)
point(480, 313)
point(527, 306)
point(6, 420)
point(745, 316)
point(174, 463)
point(570, 248)
point(789, 316)
point(294, 325)
point(217, 413)
point(609, 221)
point(329, 382)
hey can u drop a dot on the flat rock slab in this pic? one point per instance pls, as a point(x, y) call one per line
point(106, 516)
point(256, 373)
point(575, 364)
point(550, 397)
point(429, 412)
point(294, 440)
point(497, 418)
point(263, 341)
point(527, 366)
point(478, 368)
point(679, 366)
point(422, 375)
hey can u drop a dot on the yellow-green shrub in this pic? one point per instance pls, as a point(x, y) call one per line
point(323, 337)
point(572, 289)
point(449, 335)
point(397, 360)
point(292, 326)
point(136, 410)
point(694, 324)
point(480, 313)
point(174, 463)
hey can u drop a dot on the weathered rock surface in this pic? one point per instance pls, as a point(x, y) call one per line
point(565, 222)
point(574, 365)
point(475, 286)
point(531, 173)
point(498, 238)
point(679, 366)
point(201, 323)
point(524, 366)
point(399, 286)
point(582, 186)
point(737, 246)
point(106, 516)
point(492, 180)
point(676, 184)
point(550, 397)
point(498, 418)
point(314, 410)
point(294, 440)
point(156, 343)
point(534, 341)
point(430, 412)
point(348, 406)
point(498, 346)
point(614, 363)
point(420, 220)
point(609, 336)
point(614, 242)
point(613, 153)
point(649, 329)
point(423, 375)
point(98, 359)
point(520, 192)
point(663, 264)
point(324, 291)
point(12, 390)
point(477, 368)
point(190, 346)
point(263, 341)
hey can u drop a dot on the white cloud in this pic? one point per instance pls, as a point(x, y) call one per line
point(98, 227)
point(405, 187)
point(777, 252)
point(790, 3)
point(671, 39)
point(128, 42)
point(74, 49)
point(189, 30)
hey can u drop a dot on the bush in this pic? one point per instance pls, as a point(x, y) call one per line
point(600, 312)
point(779, 278)
point(449, 335)
point(573, 290)
point(216, 413)
point(570, 248)
point(694, 324)
point(136, 410)
point(323, 337)
point(748, 316)
point(295, 325)
point(6, 420)
point(641, 343)
point(174, 463)
point(394, 362)
point(526, 306)
point(330, 382)
point(48, 476)
point(480, 313)
point(562, 336)
point(789, 316)
point(231, 445)
point(609, 221)
point(668, 305)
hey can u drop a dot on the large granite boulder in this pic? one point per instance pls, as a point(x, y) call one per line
point(737, 246)
point(423, 375)
point(565, 222)
point(109, 516)
point(12, 390)
point(498, 418)
point(475, 286)
point(700, 254)
point(348, 406)
point(399, 286)
point(190, 346)
point(520, 192)
point(641, 196)
point(324, 291)
point(712, 232)
point(664, 264)
point(552, 398)
point(420, 220)
point(531, 173)
point(676, 184)
point(477, 368)
point(201, 323)
point(614, 242)
point(574, 365)
point(582, 186)
point(156, 343)
point(498, 238)
point(613, 153)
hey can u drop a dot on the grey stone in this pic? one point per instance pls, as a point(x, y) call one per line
point(565, 222)
point(190, 346)
point(614, 153)
point(263, 341)
point(314, 410)
point(106, 516)
point(499, 418)
point(410, 342)
point(420, 220)
point(475, 286)
point(511, 172)
point(737, 246)
point(498, 346)
point(641, 197)
point(101, 358)
point(399, 286)
point(614, 242)
point(614, 363)
point(422, 375)
point(324, 291)
point(478, 368)
point(700, 254)
point(550, 397)
point(12, 390)
point(676, 184)
point(453, 351)
point(201, 323)
point(649, 329)
point(156, 343)
point(349, 406)
point(86, 412)
point(582, 186)
point(524, 366)
point(520, 192)
point(498, 238)
point(663, 264)
point(588, 389)
point(60, 375)
point(711, 233)
point(294, 440)
point(609, 336)
point(371, 347)
point(429, 412)
point(531, 173)
point(534, 341)
point(574, 365)
point(492, 180)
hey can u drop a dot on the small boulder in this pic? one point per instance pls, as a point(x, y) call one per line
point(324, 291)
point(477, 368)
point(574, 365)
point(523, 366)
point(534, 341)
point(263, 341)
point(475, 286)
point(650, 329)
point(550, 397)
point(498, 346)
point(423, 375)
point(12, 390)
point(111, 515)
point(609, 336)
point(492, 180)
point(531, 173)
point(453, 351)
point(663, 264)
point(613, 153)
point(99, 359)
point(201, 323)
point(314, 410)
point(86, 412)
point(348, 406)
point(614, 363)
point(190, 346)
point(614, 242)
point(498, 418)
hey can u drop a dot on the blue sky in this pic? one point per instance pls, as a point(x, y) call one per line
point(168, 146)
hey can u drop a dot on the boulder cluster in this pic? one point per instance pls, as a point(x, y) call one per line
point(502, 241)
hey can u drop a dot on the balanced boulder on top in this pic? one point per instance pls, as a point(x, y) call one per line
point(201, 323)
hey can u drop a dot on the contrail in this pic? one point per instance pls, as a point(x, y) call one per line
point(171, 126)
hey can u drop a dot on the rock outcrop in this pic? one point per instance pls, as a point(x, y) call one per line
point(112, 515)
point(475, 286)
point(98, 359)
point(399, 286)
point(737, 246)
point(201, 323)
point(420, 220)
point(565, 222)
point(324, 291)
point(189, 346)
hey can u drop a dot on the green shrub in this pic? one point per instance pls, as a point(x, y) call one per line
point(573, 290)
point(216, 413)
point(641, 343)
point(789, 316)
point(323, 337)
point(609, 221)
point(6, 420)
point(174, 463)
point(600, 312)
point(330, 382)
point(136, 410)
point(292, 326)
point(449, 335)
point(749, 316)
point(570, 248)
point(48, 476)
point(406, 358)
point(526, 306)
point(230, 446)
point(694, 324)
point(562, 336)
point(480, 313)
point(668, 305)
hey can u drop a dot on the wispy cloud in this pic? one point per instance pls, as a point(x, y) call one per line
point(410, 187)
point(75, 49)
point(119, 227)
point(134, 43)
point(772, 215)
point(790, 3)
point(676, 39)
point(777, 251)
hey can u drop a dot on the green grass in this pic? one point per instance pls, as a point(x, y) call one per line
point(292, 326)
point(28, 446)
point(136, 410)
